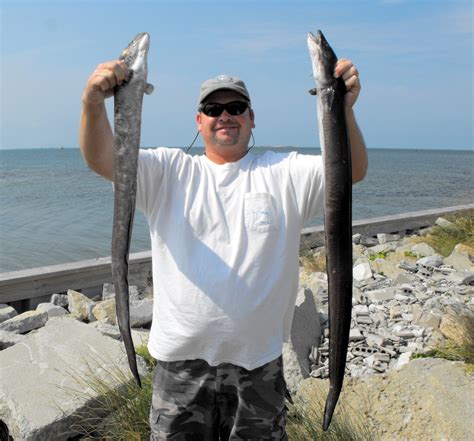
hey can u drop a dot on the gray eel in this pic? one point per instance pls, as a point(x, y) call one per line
point(128, 101)
point(337, 210)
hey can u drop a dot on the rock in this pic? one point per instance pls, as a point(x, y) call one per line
point(78, 304)
point(362, 270)
point(403, 360)
point(6, 312)
point(422, 249)
point(60, 300)
point(305, 331)
point(380, 295)
point(355, 335)
point(427, 399)
point(141, 313)
point(447, 225)
point(459, 278)
point(381, 266)
point(356, 238)
point(25, 322)
point(384, 238)
point(408, 266)
point(106, 310)
point(368, 241)
point(455, 322)
point(431, 261)
point(381, 248)
point(8, 339)
point(108, 292)
point(459, 260)
point(51, 310)
point(107, 329)
point(140, 337)
point(43, 402)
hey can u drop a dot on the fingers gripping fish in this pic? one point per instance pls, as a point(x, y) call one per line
point(127, 124)
point(337, 210)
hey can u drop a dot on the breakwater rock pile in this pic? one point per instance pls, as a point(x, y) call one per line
point(406, 299)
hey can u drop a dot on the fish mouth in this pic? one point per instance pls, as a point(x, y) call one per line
point(315, 38)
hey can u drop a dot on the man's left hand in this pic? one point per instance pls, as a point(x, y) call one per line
point(347, 71)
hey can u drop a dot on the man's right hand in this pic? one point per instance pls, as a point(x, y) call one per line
point(103, 80)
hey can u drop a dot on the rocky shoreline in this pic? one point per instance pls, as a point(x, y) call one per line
point(404, 300)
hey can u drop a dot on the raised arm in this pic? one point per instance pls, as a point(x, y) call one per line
point(350, 75)
point(95, 134)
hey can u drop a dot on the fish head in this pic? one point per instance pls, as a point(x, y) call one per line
point(323, 59)
point(135, 54)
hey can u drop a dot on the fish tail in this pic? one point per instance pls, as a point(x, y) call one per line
point(331, 401)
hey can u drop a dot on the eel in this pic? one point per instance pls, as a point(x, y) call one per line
point(128, 100)
point(336, 152)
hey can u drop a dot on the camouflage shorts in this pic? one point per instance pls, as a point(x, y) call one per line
point(195, 401)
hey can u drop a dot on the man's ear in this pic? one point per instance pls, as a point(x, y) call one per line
point(198, 121)
point(252, 117)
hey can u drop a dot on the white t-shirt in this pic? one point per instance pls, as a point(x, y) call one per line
point(225, 243)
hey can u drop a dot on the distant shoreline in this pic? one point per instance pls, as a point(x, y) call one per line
point(467, 150)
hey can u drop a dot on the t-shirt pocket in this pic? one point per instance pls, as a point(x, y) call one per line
point(260, 212)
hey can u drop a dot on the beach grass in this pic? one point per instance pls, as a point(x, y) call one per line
point(120, 410)
point(444, 239)
point(458, 328)
point(305, 417)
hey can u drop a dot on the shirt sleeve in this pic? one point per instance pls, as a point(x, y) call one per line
point(307, 176)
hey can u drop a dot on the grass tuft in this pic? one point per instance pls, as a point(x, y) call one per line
point(305, 418)
point(459, 343)
point(443, 240)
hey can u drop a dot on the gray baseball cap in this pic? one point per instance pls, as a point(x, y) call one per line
point(222, 82)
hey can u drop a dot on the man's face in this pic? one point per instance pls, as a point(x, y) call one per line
point(226, 130)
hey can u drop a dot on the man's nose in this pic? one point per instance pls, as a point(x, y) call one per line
point(225, 116)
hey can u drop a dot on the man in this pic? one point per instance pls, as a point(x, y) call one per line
point(225, 230)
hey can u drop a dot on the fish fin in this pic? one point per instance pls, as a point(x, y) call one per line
point(149, 88)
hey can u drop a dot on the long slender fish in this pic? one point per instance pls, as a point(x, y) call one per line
point(128, 101)
point(337, 210)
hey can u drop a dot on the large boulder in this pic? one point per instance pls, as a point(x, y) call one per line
point(305, 333)
point(426, 399)
point(41, 393)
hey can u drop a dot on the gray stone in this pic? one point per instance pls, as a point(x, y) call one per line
point(431, 261)
point(380, 295)
point(107, 329)
point(362, 271)
point(108, 292)
point(25, 322)
point(381, 248)
point(422, 249)
point(368, 241)
point(141, 313)
point(356, 238)
point(6, 312)
point(305, 333)
point(51, 310)
point(43, 402)
point(8, 339)
point(460, 261)
point(105, 310)
point(446, 225)
point(384, 238)
point(60, 300)
point(140, 337)
point(78, 304)
point(408, 266)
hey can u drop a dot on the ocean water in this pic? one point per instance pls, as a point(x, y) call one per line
point(53, 209)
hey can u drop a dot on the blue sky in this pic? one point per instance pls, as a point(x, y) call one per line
point(415, 60)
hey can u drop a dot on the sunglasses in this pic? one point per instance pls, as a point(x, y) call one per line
point(233, 108)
